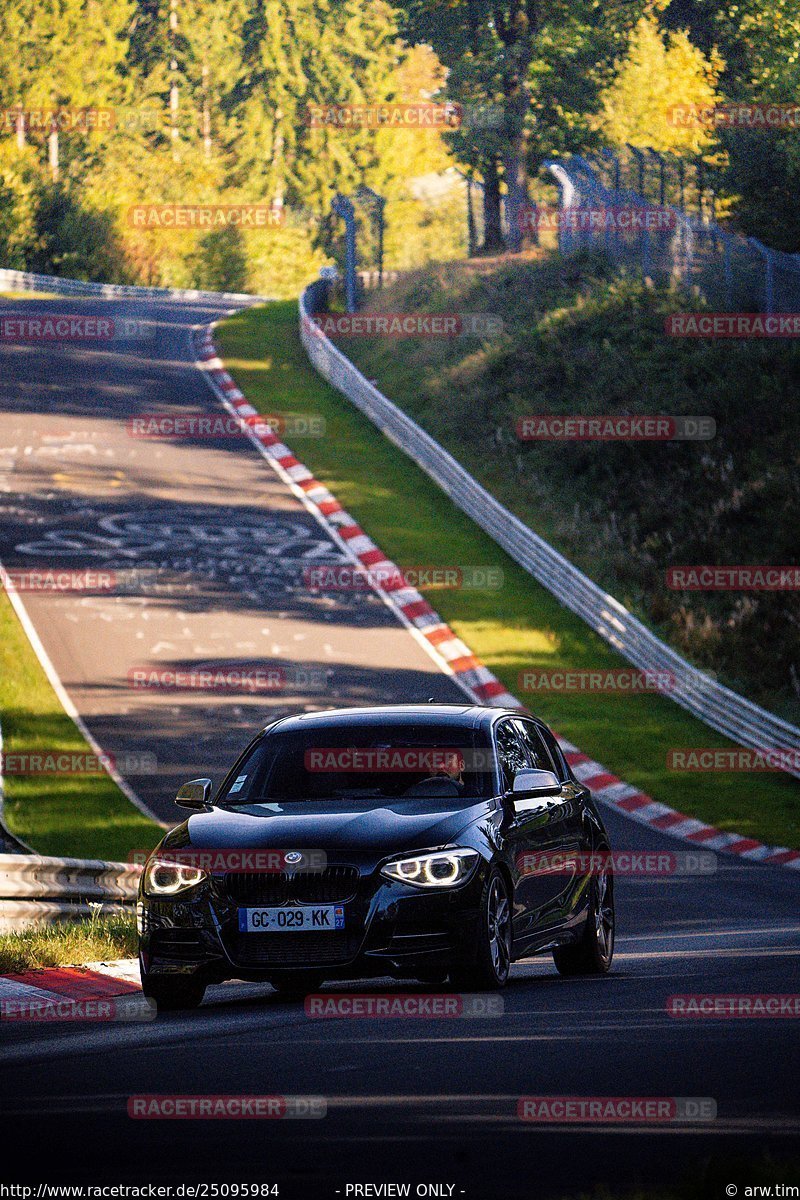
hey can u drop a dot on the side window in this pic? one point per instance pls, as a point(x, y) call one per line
point(510, 752)
point(562, 770)
point(538, 754)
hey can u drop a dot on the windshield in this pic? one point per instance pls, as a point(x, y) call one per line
point(364, 763)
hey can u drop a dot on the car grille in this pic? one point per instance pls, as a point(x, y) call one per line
point(334, 885)
point(176, 943)
point(289, 949)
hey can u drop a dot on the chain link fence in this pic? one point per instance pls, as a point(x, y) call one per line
point(375, 240)
point(658, 235)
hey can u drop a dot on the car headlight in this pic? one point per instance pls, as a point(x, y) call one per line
point(443, 868)
point(166, 877)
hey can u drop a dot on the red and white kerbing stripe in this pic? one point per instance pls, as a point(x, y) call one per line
point(51, 985)
point(453, 656)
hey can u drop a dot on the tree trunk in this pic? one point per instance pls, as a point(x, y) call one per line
point(517, 33)
point(206, 114)
point(493, 242)
point(517, 202)
point(52, 153)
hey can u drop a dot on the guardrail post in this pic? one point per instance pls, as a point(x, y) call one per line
point(344, 209)
point(726, 263)
point(769, 282)
point(568, 194)
point(378, 204)
point(613, 158)
point(639, 156)
point(661, 180)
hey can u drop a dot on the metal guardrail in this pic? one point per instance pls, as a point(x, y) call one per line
point(718, 706)
point(35, 890)
point(25, 281)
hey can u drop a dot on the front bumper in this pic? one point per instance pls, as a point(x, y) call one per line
point(390, 929)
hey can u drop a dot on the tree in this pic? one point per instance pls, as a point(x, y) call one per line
point(760, 43)
point(210, 56)
point(661, 78)
point(507, 59)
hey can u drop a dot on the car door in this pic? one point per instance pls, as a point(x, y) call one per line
point(545, 833)
point(577, 796)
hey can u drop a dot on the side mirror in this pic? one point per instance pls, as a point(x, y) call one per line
point(530, 783)
point(195, 795)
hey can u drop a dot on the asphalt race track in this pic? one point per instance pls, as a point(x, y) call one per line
point(206, 546)
point(409, 1100)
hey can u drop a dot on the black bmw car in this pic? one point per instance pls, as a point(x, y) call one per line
point(416, 841)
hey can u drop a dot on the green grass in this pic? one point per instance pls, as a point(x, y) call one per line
point(519, 628)
point(72, 816)
point(69, 943)
point(579, 337)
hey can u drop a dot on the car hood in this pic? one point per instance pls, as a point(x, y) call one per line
point(331, 826)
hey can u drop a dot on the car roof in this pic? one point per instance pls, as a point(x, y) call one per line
point(472, 716)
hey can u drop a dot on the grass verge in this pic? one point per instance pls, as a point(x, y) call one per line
point(581, 338)
point(67, 815)
point(96, 939)
point(516, 629)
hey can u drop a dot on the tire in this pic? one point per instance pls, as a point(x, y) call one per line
point(297, 983)
point(492, 963)
point(592, 955)
point(173, 992)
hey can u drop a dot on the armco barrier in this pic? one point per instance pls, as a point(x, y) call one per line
point(719, 707)
point(35, 890)
point(24, 281)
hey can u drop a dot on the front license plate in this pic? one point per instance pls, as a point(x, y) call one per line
point(314, 919)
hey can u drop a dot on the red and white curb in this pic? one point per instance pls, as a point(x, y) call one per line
point(52, 992)
point(452, 655)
